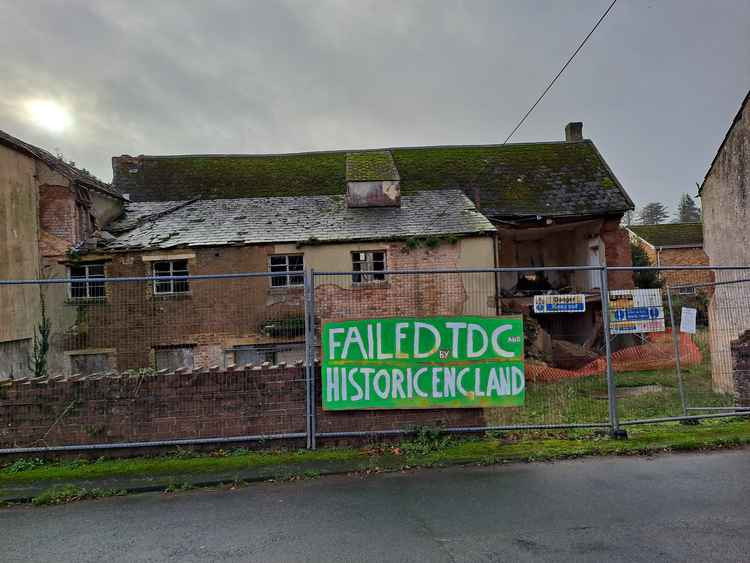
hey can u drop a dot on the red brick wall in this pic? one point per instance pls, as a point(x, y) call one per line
point(617, 250)
point(133, 320)
point(401, 295)
point(183, 406)
point(57, 212)
point(216, 313)
point(685, 257)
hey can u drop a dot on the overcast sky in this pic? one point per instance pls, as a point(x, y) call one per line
point(656, 87)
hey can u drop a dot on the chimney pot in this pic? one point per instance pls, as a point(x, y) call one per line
point(574, 131)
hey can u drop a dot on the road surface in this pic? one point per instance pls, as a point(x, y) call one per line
point(667, 508)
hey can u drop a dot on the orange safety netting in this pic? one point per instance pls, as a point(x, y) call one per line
point(656, 353)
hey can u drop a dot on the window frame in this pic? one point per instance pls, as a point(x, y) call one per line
point(369, 262)
point(86, 281)
point(286, 279)
point(171, 284)
point(271, 352)
point(172, 348)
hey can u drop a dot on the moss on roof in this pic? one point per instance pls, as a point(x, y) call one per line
point(368, 166)
point(549, 179)
point(670, 234)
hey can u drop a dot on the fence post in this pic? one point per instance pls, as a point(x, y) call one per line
point(676, 339)
point(611, 385)
point(310, 357)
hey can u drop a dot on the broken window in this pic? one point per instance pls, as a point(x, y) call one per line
point(369, 262)
point(169, 268)
point(283, 263)
point(173, 357)
point(274, 353)
point(89, 281)
point(86, 364)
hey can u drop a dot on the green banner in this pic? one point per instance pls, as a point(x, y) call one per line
point(423, 363)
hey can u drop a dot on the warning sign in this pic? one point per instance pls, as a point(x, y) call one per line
point(635, 311)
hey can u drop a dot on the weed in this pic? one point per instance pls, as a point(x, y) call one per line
point(24, 464)
point(426, 440)
point(70, 493)
point(178, 487)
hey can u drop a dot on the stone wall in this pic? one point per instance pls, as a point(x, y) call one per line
point(207, 404)
point(725, 205)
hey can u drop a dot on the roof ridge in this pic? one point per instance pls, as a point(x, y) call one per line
point(58, 164)
point(346, 151)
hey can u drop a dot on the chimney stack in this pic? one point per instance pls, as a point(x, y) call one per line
point(574, 131)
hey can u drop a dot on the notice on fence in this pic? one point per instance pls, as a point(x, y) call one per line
point(635, 311)
point(687, 320)
point(423, 363)
point(569, 303)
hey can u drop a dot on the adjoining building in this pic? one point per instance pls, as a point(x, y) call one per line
point(675, 244)
point(725, 203)
point(47, 208)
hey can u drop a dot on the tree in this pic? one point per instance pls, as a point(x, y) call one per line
point(653, 213)
point(687, 210)
point(627, 218)
point(643, 279)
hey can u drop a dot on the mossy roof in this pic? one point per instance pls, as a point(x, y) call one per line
point(548, 179)
point(366, 166)
point(670, 234)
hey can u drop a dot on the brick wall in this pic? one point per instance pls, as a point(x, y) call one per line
point(213, 315)
point(207, 404)
point(400, 295)
point(617, 250)
point(685, 257)
point(219, 314)
point(58, 214)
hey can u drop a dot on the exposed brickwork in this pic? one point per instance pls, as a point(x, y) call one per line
point(212, 315)
point(218, 314)
point(183, 406)
point(58, 214)
point(617, 249)
point(400, 295)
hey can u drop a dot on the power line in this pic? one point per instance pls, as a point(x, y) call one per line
point(536, 103)
point(570, 60)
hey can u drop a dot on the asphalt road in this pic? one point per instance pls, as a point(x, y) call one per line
point(668, 508)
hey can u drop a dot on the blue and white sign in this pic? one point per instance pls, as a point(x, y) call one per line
point(567, 303)
point(636, 311)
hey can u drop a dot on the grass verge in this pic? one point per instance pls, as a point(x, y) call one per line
point(428, 448)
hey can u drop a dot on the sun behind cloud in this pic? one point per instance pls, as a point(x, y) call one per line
point(49, 115)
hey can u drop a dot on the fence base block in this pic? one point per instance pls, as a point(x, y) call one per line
point(620, 434)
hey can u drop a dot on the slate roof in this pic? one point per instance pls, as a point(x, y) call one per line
point(553, 179)
point(367, 166)
point(71, 172)
point(313, 219)
point(670, 234)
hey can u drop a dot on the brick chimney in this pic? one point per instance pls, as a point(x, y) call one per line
point(574, 131)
